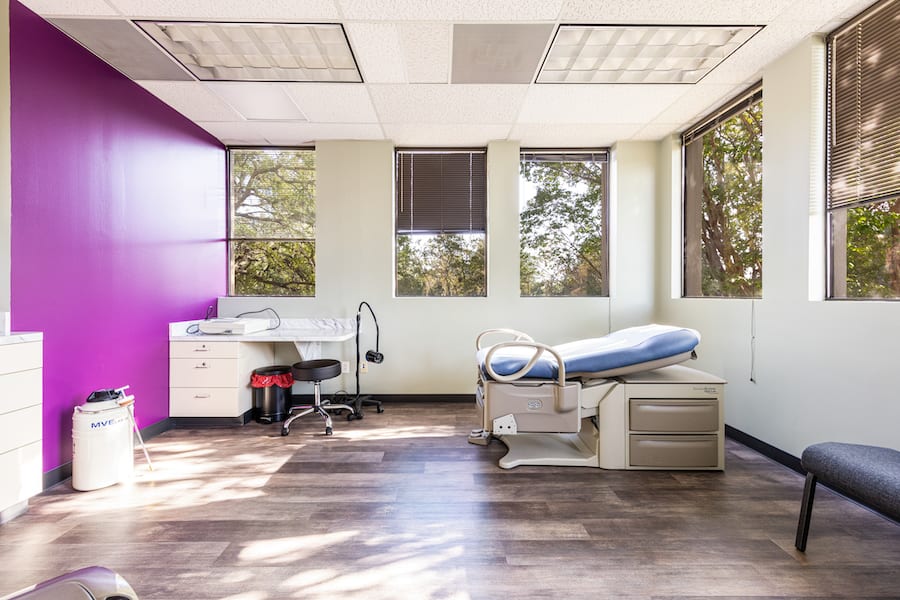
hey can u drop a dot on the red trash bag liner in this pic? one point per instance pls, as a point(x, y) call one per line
point(282, 380)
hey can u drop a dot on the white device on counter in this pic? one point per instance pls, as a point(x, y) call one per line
point(233, 326)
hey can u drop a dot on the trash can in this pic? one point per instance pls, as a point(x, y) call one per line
point(271, 393)
point(102, 442)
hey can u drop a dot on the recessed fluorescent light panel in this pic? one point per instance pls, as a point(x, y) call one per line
point(645, 54)
point(258, 51)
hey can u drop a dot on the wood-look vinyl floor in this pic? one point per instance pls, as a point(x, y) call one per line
point(399, 505)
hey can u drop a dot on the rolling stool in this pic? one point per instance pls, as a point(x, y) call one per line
point(316, 371)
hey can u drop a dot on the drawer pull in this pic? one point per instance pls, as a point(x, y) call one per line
point(201, 366)
point(202, 348)
point(202, 396)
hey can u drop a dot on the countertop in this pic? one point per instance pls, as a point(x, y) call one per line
point(290, 330)
point(21, 337)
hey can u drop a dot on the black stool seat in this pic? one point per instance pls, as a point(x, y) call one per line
point(316, 370)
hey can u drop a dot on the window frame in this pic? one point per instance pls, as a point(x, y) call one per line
point(602, 155)
point(836, 217)
point(398, 151)
point(731, 108)
point(229, 226)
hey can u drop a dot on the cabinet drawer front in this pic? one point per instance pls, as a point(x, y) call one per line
point(200, 372)
point(205, 402)
point(18, 390)
point(204, 349)
point(22, 472)
point(673, 415)
point(20, 357)
point(20, 428)
point(673, 451)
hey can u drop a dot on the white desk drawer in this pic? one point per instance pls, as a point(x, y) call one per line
point(20, 428)
point(18, 390)
point(204, 349)
point(205, 402)
point(21, 357)
point(210, 372)
point(22, 470)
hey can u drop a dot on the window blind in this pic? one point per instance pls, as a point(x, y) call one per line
point(441, 192)
point(864, 109)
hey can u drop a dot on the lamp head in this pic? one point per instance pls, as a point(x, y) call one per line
point(374, 356)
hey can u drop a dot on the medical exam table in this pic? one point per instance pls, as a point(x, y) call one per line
point(621, 401)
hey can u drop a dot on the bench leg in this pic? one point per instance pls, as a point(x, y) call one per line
point(809, 494)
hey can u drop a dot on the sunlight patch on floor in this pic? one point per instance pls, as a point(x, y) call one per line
point(399, 433)
point(292, 549)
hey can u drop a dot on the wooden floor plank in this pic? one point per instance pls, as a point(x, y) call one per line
point(399, 505)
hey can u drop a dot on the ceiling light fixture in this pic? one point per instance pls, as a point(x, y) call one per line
point(284, 52)
point(644, 54)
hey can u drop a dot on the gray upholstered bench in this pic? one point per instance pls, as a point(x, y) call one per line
point(868, 474)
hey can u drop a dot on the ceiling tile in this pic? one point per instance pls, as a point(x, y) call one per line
point(656, 12)
point(426, 51)
point(122, 45)
point(288, 133)
point(220, 10)
point(71, 8)
point(458, 10)
point(257, 101)
point(498, 52)
point(656, 131)
point(614, 103)
point(378, 52)
point(573, 135)
point(442, 135)
point(333, 102)
point(698, 101)
point(192, 99)
point(432, 103)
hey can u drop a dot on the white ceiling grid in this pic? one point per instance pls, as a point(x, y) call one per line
point(404, 50)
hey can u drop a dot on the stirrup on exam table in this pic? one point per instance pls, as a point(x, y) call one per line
point(316, 371)
point(529, 387)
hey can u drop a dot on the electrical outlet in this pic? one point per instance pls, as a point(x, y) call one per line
point(345, 366)
point(363, 367)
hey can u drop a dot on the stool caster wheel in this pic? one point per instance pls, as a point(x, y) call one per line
point(379, 410)
point(356, 415)
point(328, 431)
point(284, 431)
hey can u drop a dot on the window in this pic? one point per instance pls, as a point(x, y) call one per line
point(563, 223)
point(272, 224)
point(723, 201)
point(863, 117)
point(441, 223)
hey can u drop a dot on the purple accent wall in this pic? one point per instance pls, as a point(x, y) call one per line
point(118, 220)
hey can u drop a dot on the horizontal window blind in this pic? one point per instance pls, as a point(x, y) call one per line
point(557, 156)
point(864, 109)
point(441, 192)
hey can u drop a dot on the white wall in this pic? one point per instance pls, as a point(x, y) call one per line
point(428, 343)
point(823, 370)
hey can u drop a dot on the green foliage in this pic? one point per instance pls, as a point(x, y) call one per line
point(731, 243)
point(560, 229)
point(445, 264)
point(273, 225)
point(873, 250)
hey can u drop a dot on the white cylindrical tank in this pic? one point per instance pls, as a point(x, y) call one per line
point(102, 445)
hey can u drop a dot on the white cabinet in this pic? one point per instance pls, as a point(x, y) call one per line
point(674, 419)
point(212, 379)
point(21, 468)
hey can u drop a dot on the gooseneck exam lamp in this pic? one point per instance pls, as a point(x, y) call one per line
point(372, 356)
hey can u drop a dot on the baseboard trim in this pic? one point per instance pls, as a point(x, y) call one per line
point(390, 398)
point(768, 450)
point(151, 431)
point(58, 475)
point(206, 422)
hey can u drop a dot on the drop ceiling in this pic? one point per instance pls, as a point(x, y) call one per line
point(444, 72)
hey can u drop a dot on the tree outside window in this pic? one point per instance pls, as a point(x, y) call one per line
point(272, 222)
point(563, 223)
point(723, 202)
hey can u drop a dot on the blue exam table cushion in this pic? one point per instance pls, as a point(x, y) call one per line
point(631, 346)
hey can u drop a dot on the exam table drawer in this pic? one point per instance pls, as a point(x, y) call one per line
point(204, 402)
point(673, 451)
point(653, 414)
point(203, 372)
